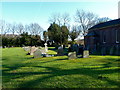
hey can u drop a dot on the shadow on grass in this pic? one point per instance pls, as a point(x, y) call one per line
point(53, 49)
point(57, 72)
point(61, 59)
point(53, 72)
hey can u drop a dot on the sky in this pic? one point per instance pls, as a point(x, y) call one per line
point(40, 11)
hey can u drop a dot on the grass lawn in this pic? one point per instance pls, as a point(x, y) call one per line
point(22, 71)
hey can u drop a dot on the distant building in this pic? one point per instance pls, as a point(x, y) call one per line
point(104, 38)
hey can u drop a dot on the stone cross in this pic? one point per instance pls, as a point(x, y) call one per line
point(46, 48)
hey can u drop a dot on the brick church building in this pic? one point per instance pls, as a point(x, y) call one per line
point(104, 38)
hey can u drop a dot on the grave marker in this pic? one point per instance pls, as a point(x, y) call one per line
point(60, 51)
point(32, 50)
point(37, 54)
point(46, 48)
point(85, 54)
point(72, 55)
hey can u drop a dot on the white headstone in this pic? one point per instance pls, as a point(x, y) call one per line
point(32, 50)
point(85, 54)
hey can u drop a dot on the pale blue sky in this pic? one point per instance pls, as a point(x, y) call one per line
point(28, 12)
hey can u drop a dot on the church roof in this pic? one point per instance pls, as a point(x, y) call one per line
point(106, 24)
point(91, 34)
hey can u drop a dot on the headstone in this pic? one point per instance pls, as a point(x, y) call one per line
point(85, 54)
point(32, 50)
point(76, 48)
point(37, 54)
point(43, 51)
point(72, 55)
point(60, 51)
point(80, 50)
point(46, 48)
point(26, 49)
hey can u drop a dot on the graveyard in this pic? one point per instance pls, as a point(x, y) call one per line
point(60, 44)
point(49, 70)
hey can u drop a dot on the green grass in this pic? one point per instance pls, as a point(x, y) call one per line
point(22, 71)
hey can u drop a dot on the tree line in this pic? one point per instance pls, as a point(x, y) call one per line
point(57, 33)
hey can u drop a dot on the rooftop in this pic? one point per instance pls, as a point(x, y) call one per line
point(106, 24)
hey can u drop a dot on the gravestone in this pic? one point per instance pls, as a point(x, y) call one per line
point(60, 51)
point(43, 51)
point(37, 54)
point(85, 54)
point(76, 48)
point(46, 48)
point(32, 50)
point(72, 55)
point(26, 49)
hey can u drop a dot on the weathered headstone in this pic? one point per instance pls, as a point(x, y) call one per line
point(85, 54)
point(46, 48)
point(32, 50)
point(37, 54)
point(72, 55)
point(60, 51)
point(43, 51)
point(26, 49)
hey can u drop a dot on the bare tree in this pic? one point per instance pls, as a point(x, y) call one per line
point(4, 27)
point(35, 29)
point(55, 18)
point(85, 20)
point(27, 28)
point(59, 19)
point(103, 19)
point(13, 28)
point(20, 28)
point(66, 19)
